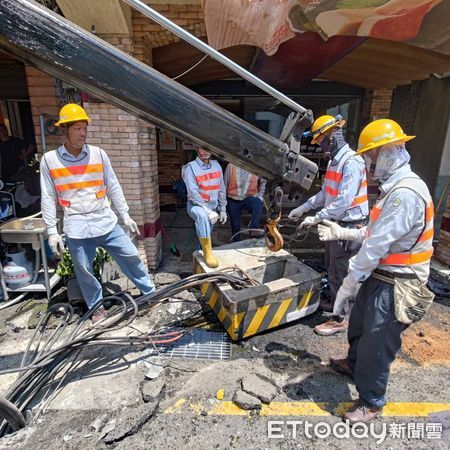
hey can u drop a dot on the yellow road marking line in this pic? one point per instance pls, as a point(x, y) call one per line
point(176, 407)
point(228, 408)
point(280, 313)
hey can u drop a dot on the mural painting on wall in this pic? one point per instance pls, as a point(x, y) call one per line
point(269, 23)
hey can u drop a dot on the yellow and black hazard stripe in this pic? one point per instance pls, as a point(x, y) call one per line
point(252, 321)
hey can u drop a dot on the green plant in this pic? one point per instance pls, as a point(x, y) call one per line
point(65, 267)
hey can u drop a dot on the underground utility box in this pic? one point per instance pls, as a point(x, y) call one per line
point(283, 290)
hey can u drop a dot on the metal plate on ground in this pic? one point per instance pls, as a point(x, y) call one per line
point(197, 344)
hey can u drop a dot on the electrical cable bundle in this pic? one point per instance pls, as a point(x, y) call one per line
point(45, 357)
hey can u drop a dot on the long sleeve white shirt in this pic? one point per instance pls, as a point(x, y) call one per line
point(340, 208)
point(82, 226)
point(401, 222)
point(193, 188)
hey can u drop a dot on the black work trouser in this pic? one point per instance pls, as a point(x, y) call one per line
point(337, 256)
point(374, 336)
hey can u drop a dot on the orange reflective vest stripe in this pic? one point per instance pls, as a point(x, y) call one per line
point(233, 188)
point(76, 170)
point(333, 176)
point(331, 191)
point(333, 179)
point(402, 259)
point(421, 252)
point(208, 179)
point(208, 176)
point(79, 183)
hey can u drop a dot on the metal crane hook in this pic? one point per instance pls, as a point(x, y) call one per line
point(274, 240)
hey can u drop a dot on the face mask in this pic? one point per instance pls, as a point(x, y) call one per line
point(368, 161)
point(325, 144)
point(371, 158)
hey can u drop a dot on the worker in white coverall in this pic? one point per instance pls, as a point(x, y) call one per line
point(206, 199)
point(393, 266)
point(79, 177)
point(343, 199)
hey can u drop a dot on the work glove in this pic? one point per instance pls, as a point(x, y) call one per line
point(309, 222)
point(56, 244)
point(331, 231)
point(213, 217)
point(296, 213)
point(348, 289)
point(131, 226)
point(223, 217)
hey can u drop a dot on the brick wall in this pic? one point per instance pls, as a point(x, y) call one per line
point(443, 247)
point(43, 100)
point(131, 145)
point(405, 105)
point(376, 105)
point(146, 36)
point(169, 170)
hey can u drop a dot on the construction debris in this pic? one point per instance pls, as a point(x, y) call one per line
point(246, 401)
point(132, 419)
point(162, 278)
point(151, 389)
point(260, 388)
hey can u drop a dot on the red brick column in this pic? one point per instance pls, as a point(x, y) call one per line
point(131, 146)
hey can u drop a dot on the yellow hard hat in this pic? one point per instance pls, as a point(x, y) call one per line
point(323, 124)
point(71, 113)
point(381, 132)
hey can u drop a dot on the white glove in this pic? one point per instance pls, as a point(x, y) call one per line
point(296, 213)
point(309, 222)
point(132, 226)
point(56, 244)
point(213, 217)
point(348, 290)
point(331, 231)
point(223, 217)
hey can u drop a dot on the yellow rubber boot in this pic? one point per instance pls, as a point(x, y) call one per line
point(210, 259)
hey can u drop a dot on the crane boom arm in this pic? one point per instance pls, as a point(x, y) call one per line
point(53, 44)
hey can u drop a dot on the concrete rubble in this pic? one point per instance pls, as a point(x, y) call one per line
point(259, 387)
point(162, 278)
point(246, 401)
point(116, 402)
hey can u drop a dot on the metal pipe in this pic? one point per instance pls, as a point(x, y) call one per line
point(43, 138)
point(191, 39)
